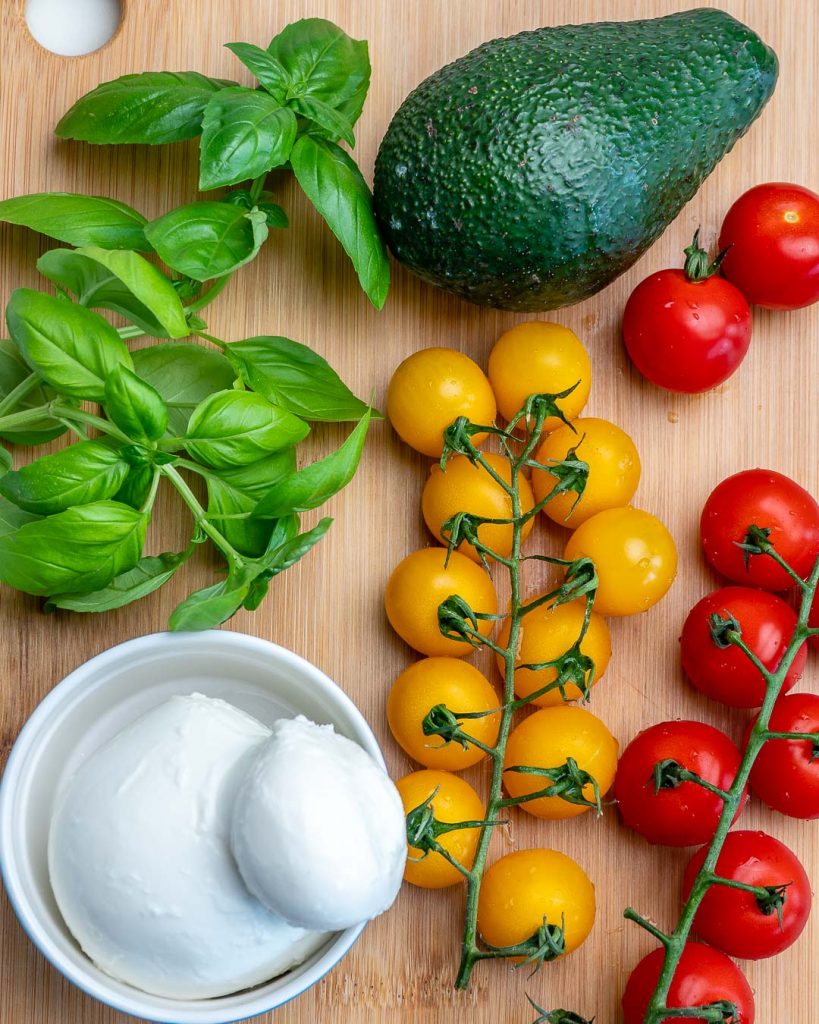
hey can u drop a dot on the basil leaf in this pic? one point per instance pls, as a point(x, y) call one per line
point(237, 491)
point(12, 517)
point(233, 428)
point(291, 375)
point(5, 460)
point(331, 121)
point(136, 486)
point(278, 559)
point(13, 371)
point(245, 133)
point(267, 69)
point(153, 107)
point(274, 215)
point(257, 478)
point(184, 375)
point(312, 486)
point(205, 240)
point(135, 407)
point(208, 608)
point(72, 348)
point(120, 281)
point(149, 286)
point(76, 551)
point(334, 185)
point(78, 220)
point(84, 472)
point(148, 575)
point(323, 62)
point(282, 554)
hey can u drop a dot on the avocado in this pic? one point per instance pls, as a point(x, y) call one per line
point(530, 173)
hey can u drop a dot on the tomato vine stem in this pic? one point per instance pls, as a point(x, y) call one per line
point(674, 942)
point(457, 620)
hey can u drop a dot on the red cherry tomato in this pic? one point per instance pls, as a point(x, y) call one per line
point(786, 772)
point(684, 814)
point(704, 976)
point(773, 234)
point(760, 497)
point(725, 673)
point(687, 330)
point(737, 922)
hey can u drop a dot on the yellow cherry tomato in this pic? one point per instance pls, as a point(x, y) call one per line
point(522, 889)
point(430, 390)
point(463, 690)
point(614, 470)
point(547, 739)
point(464, 487)
point(540, 358)
point(455, 800)
point(547, 633)
point(423, 581)
point(635, 556)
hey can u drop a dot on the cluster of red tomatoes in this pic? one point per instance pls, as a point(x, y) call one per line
point(733, 921)
point(636, 562)
point(688, 330)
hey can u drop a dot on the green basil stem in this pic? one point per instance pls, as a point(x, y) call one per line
point(470, 951)
point(68, 412)
point(257, 187)
point(131, 331)
point(234, 559)
point(674, 942)
point(17, 394)
point(209, 294)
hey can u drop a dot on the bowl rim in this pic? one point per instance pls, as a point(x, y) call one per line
point(67, 692)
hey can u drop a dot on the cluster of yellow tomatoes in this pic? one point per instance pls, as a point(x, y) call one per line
point(636, 562)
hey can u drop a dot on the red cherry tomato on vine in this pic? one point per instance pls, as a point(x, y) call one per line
point(771, 501)
point(738, 922)
point(786, 772)
point(681, 814)
point(704, 976)
point(773, 234)
point(724, 673)
point(687, 330)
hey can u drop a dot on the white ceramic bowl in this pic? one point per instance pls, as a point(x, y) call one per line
point(93, 704)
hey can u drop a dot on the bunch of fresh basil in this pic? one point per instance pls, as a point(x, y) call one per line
point(73, 524)
point(312, 82)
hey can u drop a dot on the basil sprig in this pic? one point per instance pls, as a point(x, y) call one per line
point(309, 91)
point(74, 522)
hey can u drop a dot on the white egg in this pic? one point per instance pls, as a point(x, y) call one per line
point(140, 860)
point(319, 831)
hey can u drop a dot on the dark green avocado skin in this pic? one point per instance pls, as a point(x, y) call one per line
point(528, 174)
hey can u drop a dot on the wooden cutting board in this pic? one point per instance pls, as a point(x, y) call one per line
point(329, 608)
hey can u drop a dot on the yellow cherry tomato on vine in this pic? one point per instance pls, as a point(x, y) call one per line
point(463, 690)
point(614, 470)
point(536, 358)
point(423, 581)
point(547, 633)
point(454, 800)
point(430, 390)
point(547, 739)
point(522, 889)
point(464, 487)
point(635, 556)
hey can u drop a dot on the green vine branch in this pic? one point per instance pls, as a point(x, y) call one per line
point(458, 621)
point(726, 632)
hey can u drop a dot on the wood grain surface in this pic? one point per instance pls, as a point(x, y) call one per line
point(329, 608)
